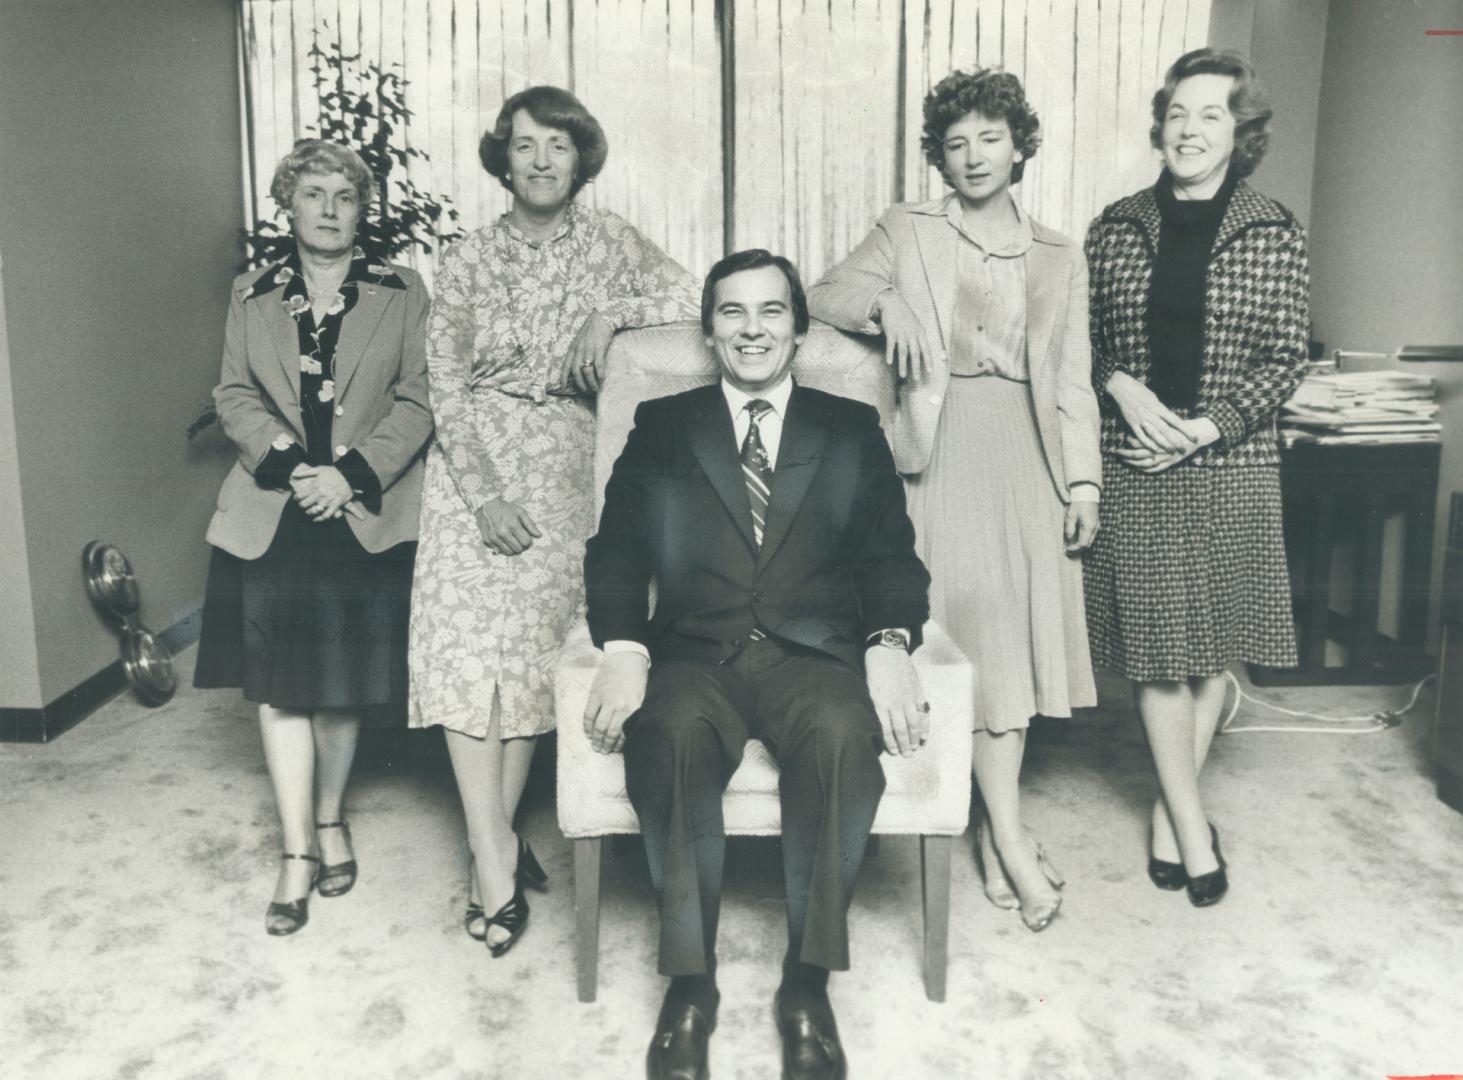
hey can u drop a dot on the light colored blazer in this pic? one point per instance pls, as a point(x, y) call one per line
point(380, 399)
point(914, 250)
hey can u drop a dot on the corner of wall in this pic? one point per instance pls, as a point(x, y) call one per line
point(20, 671)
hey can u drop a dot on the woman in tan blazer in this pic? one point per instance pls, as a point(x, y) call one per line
point(324, 395)
point(984, 316)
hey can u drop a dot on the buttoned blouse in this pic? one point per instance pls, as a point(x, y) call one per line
point(989, 332)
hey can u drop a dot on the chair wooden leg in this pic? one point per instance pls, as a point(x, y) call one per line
point(587, 852)
point(934, 859)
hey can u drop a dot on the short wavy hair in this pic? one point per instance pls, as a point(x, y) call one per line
point(553, 107)
point(990, 92)
point(755, 259)
point(321, 157)
point(1247, 103)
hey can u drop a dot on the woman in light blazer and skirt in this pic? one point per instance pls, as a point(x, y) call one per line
point(324, 395)
point(984, 316)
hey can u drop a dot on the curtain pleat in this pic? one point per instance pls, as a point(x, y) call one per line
point(825, 120)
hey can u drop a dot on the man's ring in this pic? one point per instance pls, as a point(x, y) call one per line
point(924, 706)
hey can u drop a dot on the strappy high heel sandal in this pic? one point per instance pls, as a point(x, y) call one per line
point(1040, 916)
point(345, 870)
point(512, 917)
point(474, 912)
point(297, 911)
point(997, 887)
point(527, 870)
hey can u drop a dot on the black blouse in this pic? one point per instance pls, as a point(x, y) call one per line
point(1176, 296)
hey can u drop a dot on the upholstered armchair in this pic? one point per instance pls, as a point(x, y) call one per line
point(928, 795)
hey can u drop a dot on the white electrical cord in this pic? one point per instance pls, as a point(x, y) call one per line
point(1325, 725)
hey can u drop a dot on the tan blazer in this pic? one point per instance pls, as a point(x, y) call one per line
point(914, 250)
point(380, 398)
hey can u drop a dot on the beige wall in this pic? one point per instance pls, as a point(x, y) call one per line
point(1387, 235)
point(20, 673)
point(1285, 39)
point(120, 206)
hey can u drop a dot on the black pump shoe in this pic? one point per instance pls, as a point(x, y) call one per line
point(1206, 889)
point(1167, 875)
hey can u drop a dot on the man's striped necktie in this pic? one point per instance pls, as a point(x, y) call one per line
point(757, 474)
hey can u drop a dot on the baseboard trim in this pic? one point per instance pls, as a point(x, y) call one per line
point(46, 724)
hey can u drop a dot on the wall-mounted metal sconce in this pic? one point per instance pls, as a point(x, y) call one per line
point(112, 586)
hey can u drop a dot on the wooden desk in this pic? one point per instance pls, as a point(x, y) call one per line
point(1338, 493)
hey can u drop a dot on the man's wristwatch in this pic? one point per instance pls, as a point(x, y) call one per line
point(894, 639)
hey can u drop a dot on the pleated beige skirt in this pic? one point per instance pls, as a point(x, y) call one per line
point(988, 524)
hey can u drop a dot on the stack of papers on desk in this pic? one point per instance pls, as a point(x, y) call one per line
point(1362, 407)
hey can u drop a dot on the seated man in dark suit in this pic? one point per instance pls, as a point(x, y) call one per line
point(788, 600)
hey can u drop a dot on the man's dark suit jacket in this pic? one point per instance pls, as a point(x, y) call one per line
point(837, 562)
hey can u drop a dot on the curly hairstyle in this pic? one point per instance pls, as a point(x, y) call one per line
point(322, 158)
point(755, 259)
point(1247, 103)
point(992, 93)
point(551, 107)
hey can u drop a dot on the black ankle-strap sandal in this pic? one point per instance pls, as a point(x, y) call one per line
point(297, 911)
point(346, 870)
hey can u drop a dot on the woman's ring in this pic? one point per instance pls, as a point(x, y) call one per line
point(587, 364)
point(924, 706)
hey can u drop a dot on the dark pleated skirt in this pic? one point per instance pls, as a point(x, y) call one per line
point(316, 622)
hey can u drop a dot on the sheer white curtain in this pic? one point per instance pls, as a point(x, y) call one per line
point(821, 129)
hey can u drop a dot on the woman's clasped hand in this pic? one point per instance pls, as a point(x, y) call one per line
point(323, 493)
point(1158, 437)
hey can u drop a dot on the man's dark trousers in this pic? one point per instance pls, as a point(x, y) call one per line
point(681, 747)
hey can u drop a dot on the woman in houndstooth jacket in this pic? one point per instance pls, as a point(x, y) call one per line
point(1199, 334)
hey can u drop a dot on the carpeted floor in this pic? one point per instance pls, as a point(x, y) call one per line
point(140, 848)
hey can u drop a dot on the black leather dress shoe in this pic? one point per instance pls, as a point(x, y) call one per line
point(682, 1040)
point(810, 1046)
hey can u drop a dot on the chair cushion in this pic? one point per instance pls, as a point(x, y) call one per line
point(927, 793)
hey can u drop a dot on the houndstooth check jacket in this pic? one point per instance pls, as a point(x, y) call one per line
point(1256, 319)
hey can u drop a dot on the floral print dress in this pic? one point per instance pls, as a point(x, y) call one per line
point(485, 627)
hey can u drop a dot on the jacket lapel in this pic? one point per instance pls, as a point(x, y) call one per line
point(357, 330)
point(803, 436)
point(1043, 269)
point(713, 441)
point(285, 333)
point(937, 253)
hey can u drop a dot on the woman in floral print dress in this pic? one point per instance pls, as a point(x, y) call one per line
point(524, 312)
